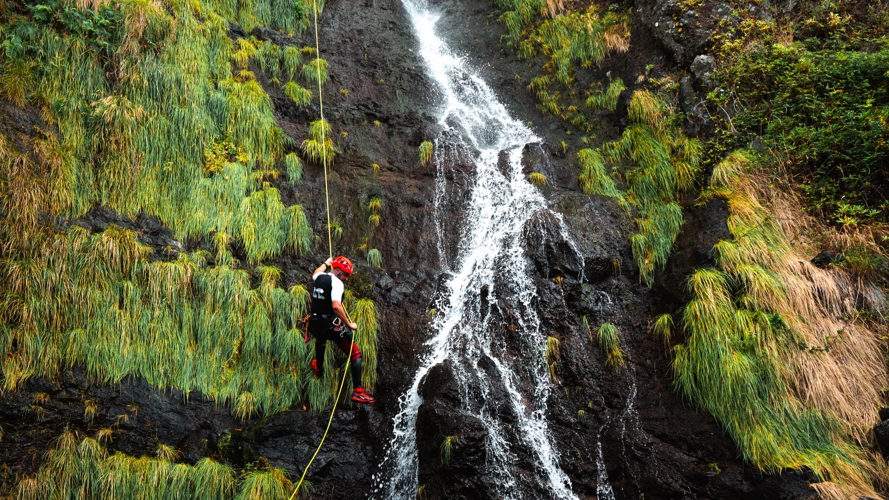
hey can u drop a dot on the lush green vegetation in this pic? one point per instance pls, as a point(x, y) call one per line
point(567, 41)
point(813, 90)
point(425, 150)
point(609, 343)
point(656, 162)
point(85, 469)
point(150, 108)
point(756, 356)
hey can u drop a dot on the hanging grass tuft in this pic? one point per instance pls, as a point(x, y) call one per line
point(537, 179)
point(315, 72)
point(749, 359)
point(85, 470)
point(374, 258)
point(663, 327)
point(319, 148)
point(552, 357)
point(263, 485)
point(657, 161)
point(291, 63)
point(364, 312)
point(294, 167)
point(425, 153)
point(375, 204)
point(609, 342)
point(300, 96)
point(299, 234)
point(607, 100)
point(447, 449)
point(262, 224)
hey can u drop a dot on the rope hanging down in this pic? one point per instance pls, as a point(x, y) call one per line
point(325, 160)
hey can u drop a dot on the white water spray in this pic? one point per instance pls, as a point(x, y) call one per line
point(468, 327)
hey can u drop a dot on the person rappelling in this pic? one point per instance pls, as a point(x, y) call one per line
point(329, 321)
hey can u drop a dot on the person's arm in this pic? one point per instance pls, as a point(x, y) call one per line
point(323, 267)
point(341, 313)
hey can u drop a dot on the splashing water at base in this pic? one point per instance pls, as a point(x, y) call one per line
point(467, 328)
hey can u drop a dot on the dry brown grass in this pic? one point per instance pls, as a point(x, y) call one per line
point(807, 231)
point(838, 368)
point(617, 39)
point(555, 7)
point(842, 369)
point(876, 468)
point(91, 4)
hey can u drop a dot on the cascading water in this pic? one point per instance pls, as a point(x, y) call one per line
point(477, 297)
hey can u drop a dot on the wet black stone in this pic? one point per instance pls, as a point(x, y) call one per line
point(881, 431)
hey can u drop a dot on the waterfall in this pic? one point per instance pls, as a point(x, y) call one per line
point(469, 324)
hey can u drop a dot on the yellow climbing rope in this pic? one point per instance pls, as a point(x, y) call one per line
point(325, 161)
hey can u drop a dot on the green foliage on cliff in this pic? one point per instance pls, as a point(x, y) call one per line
point(656, 162)
point(609, 343)
point(755, 358)
point(815, 93)
point(767, 343)
point(149, 108)
point(86, 469)
point(567, 41)
point(319, 148)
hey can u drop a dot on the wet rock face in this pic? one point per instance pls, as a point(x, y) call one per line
point(881, 432)
point(139, 416)
point(685, 33)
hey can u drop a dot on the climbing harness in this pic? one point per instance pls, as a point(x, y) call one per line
point(324, 161)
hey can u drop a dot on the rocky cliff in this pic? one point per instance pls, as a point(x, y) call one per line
point(626, 423)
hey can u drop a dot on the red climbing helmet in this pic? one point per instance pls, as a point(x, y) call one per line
point(343, 264)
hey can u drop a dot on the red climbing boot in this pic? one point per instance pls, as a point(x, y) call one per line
point(359, 395)
point(315, 369)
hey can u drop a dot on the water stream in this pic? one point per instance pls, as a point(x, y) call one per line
point(470, 323)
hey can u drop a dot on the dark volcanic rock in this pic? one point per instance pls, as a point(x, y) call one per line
point(881, 431)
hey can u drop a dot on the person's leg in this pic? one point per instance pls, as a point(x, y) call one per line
point(318, 331)
point(351, 348)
